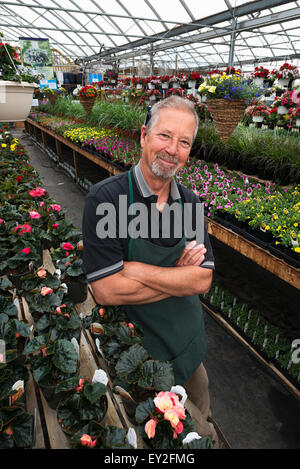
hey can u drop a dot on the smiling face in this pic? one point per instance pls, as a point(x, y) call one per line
point(168, 144)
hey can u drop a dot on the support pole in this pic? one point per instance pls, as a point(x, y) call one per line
point(232, 43)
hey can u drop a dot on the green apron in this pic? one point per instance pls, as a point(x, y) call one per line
point(174, 327)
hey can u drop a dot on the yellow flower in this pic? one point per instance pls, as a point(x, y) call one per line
point(212, 89)
point(297, 249)
point(275, 216)
point(4, 145)
point(295, 224)
point(267, 227)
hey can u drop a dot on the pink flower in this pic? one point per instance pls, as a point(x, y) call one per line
point(150, 427)
point(44, 352)
point(23, 229)
point(81, 381)
point(58, 309)
point(86, 440)
point(67, 246)
point(55, 225)
point(34, 215)
point(8, 431)
point(38, 192)
point(41, 273)
point(42, 204)
point(46, 291)
point(26, 250)
point(55, 207)
point(165, 401)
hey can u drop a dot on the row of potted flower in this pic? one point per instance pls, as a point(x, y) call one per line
point(53, 351)
point(269, 340)
point(225, 192)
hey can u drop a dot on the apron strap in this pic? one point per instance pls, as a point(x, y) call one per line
point(131, 209)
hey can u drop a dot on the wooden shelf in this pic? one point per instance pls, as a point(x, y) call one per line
point(255, 253)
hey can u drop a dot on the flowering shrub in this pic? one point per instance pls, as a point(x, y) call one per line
point(176, 91)
point(286, 99)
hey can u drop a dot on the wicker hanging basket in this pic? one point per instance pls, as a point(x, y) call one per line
point(52, 98)
point(226, 115)
point(88, 103)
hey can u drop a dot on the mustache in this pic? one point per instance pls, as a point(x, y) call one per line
point(167, 158)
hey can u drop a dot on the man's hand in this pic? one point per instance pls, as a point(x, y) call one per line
point(193, 254)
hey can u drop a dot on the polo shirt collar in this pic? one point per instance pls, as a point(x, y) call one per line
point(145, 189)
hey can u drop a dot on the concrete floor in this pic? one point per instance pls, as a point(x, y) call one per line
point(253, 409)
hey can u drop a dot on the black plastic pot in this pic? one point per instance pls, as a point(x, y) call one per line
point(17, 279)
point(53, 398)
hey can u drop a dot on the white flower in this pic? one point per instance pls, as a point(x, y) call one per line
point(191, 437)
point(181, 391)
point(212, 89)
point(64, 287)
point(18, 385)
point(100, 377)
point(131, 438)
point(97, 341)
point(58, 273)
point(75, 343)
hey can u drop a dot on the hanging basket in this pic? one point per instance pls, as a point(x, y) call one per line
point(226, 115)
point(52, 98)
point(88, 103)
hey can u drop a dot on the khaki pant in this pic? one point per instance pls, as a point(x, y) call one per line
point(198, 404)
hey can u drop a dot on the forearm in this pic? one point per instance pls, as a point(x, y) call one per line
point(123, 290)
point(175, 281)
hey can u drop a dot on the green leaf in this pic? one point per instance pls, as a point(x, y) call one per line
point(124, 334)
point(41, 368)
point(11, 310)
point(65, 357)
point(23, 430)
point(203, 443)
point(67, 384)
point(163, 378)
point(93, 391)
point(146, 380)
point(144, 410)
point(115, 437)
point(22, 328)
point(35, 344)
point(43, 323)
point(130, 359)
point(4, 282)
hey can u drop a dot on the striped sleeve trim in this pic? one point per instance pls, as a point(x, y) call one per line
point(209, 264)
point(104, 272)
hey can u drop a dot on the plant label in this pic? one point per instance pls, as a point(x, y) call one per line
point(2, 351)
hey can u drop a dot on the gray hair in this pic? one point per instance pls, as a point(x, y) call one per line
point(172, 102)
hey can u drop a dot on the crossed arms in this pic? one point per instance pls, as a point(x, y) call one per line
point(140, 283)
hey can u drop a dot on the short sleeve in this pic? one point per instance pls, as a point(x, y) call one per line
point(101, 256)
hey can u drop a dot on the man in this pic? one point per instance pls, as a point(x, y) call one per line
point(158, 278)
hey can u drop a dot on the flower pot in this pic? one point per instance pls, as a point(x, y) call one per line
point(152, 98)
point(283, 82)
point(150, 86)
point(174, 84)
point(298, 122)
point(165, 86)
point(192, 83)
point(77, 291)
point(226, 115)
point(51, 396)
point(17, 279)
point(282, 110)
point(257, 118)
point(258, 81)
point(139, 86)
point(15, 100)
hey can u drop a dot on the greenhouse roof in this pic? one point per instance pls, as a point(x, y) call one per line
point(186, 34)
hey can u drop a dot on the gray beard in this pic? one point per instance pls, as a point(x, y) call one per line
point(160, 173)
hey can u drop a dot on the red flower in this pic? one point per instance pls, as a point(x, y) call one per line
point(67, 246)
point(26, 250)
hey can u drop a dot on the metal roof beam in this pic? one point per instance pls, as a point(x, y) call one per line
point(209, 21)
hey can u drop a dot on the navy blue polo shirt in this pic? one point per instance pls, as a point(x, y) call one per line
point(103, 256)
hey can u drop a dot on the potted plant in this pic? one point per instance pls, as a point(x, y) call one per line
point(17, 429)
point(258, 112)
point(15, 85)
point(285, 74)
point(165, 80)
point(227, 97)
point(193, 78)
point(14, 333)
point(139, 375)
point(259, 75)
point(87, 95)
point(86, 402)
point(55, 366)
point(284, 102)
point(97, 436)
point(72, 273)
point(164, 423)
